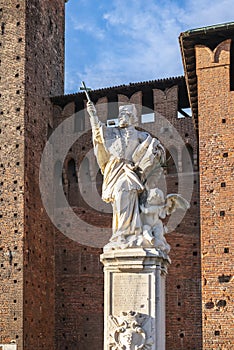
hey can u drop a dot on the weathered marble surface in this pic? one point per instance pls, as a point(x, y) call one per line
point(8, 347)
point(131, 330)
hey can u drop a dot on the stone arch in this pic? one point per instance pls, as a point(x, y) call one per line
point(172, 160)
point(84, 175)
point(58, 183)
point(57, 111)
point(79, 122)
point(85, 169)
point(187, 157)
point(71, 171)
point(72, 182)
point(58, 172)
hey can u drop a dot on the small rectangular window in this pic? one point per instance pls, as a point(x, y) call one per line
point(184, 112)
point(148, 118)
point(111, 123)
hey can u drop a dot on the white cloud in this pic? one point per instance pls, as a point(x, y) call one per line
point(204, 13)
point(139, 39)
point(89, 27)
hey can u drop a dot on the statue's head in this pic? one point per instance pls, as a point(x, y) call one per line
point(155, 197)
point(127, 115)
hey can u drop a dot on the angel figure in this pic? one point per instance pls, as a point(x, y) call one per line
point(155, 208)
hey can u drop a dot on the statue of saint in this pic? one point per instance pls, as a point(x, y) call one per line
point(125, 156)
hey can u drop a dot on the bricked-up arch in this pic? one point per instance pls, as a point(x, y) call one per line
point(79, 122)
point(72, 182)
point(172, 160)
point(58, 173)
point(188, 149)
point(85, 184)
point(58, 181)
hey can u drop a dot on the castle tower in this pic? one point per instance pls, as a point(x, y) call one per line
point(31, 71)
point(208, 61)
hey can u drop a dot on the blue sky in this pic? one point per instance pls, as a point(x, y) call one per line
point(116, 42)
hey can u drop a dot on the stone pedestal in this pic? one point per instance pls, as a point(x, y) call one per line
point(134, 299)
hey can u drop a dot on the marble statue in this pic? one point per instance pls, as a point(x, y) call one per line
point(127, 157)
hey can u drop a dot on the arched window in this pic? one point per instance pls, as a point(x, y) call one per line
point(58, 173)
point(72, 183)
point(172, 160)
point(58, 184)
point(187, 159)
point(85, 171)
point(71, 172)
point(79, 122)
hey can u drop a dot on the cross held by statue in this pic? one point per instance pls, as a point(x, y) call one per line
point(85, 89)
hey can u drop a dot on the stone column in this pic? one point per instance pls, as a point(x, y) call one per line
point(134, 298)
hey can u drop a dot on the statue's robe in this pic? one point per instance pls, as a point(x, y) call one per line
point(114, 148)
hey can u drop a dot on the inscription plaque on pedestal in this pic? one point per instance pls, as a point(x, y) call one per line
point(130, 291)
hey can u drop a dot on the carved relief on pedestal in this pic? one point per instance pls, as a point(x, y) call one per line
point(131, 331)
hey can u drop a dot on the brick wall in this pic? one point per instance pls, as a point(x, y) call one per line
point(12, 131)
point(44, 78)
point(216, 127)
point(31, 71)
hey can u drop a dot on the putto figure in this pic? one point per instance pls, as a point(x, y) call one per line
point(153, 209)
point(125, 157)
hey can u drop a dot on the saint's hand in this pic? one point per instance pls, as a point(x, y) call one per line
point(91, 109)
